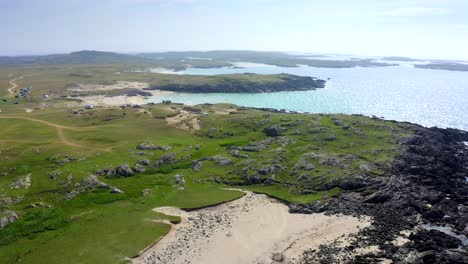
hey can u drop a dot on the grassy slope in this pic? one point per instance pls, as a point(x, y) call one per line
point(105, 227)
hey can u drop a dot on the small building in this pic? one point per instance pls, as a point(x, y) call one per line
point(89, 107)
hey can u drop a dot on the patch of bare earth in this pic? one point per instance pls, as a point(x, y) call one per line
point(185, 120)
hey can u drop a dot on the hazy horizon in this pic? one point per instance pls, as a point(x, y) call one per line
point(289, 52)
point(425, 29)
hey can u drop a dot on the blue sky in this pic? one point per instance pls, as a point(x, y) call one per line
point(418, 28)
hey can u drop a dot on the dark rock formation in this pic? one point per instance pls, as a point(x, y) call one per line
point(426, 185)
point(273, 131)
point(91, 183)
point(168, 159)
point(196, 165)
point(179, 181)
point(151, 146)
point(124, 170)
point(144, 162)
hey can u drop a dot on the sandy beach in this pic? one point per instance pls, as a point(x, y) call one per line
point(108, 87)
point(101, 100)
point(252, 229)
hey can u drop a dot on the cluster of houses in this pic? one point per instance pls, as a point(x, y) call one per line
point(125, 106)
point(24, 92)
point(130, 106)
point(91, 107)
point(79, 111)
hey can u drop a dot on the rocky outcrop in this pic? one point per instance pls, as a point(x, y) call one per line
point(273, 131)
point(286, 82)
point(150, 146)
point(8, 201)
point(21, 182)
point(8, 218)
point(166, 159)
point(196, 165)
point(221, 160)
point(91, 183)
point(236, 153)
point(179, 181)
point(424, 188)
point(144, 162)
point(124, 170)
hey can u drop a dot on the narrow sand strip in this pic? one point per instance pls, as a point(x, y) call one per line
point(252, 229)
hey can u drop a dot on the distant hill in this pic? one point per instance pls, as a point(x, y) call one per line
point(185, 59)
point(243, 55)
point(78, 57)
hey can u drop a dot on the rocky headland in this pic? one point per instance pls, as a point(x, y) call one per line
point(286, 82)
point(419, 209)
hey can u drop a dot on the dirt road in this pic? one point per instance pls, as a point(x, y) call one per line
point(60, 129)
point(13, 85)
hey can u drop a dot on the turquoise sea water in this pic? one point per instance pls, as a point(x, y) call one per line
point(404, 93)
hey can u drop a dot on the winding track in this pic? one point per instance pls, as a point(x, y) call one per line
point(14, 85)
point(60, 129)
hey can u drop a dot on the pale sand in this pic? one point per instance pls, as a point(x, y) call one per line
point(100, 87)
point(101, 100)
point(248, 230)
point(184, 120)
point(163, 71)
point(244, 64)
